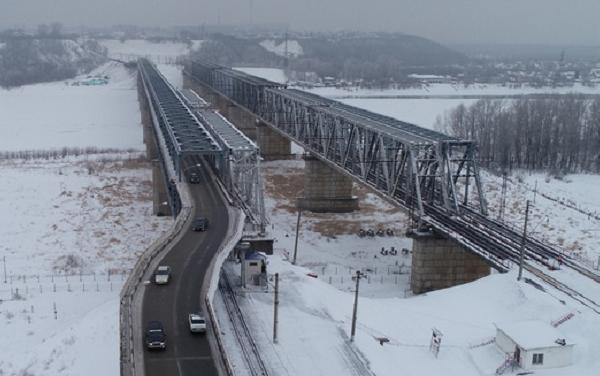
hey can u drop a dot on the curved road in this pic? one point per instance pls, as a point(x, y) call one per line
point(186, 353)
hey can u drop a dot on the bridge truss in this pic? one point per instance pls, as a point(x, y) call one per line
point(240, 165)
point(407, 163)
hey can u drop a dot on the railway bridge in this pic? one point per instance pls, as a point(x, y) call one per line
point(435, 177)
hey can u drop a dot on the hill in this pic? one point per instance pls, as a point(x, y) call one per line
point(32, 60)
point(377, 58)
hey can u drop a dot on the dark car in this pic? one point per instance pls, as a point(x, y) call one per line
point(194, 178)
point(200, 224)
point(155, 337)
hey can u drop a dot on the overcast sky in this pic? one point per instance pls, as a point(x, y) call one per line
point(448, 21)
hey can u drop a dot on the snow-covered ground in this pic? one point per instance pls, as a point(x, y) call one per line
point(563, 212)
point(315, 321)
point(315, 313)
point(57, 114)
point(72, 227)
point(329, 243)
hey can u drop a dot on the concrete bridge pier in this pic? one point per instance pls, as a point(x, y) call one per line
point(160, 199)
point(160, 205)
point(243, 120)
point(272, 145)
point(326, 190)
point(439, 263)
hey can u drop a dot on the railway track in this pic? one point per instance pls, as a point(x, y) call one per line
point(250, 352)
point(574, 294)
point(505, 244)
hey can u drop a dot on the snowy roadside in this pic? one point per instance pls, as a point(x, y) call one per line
point(75, 229)
point(73, 225)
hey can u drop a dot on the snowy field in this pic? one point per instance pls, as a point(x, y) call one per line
point(329, 243)
point(562, 212)
point(74, 226)
point(58, 114)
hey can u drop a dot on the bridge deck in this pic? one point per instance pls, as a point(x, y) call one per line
point(186, 134)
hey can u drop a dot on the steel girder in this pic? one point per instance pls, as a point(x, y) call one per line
point(407, 163)
point(184, 134)
point(411, 172)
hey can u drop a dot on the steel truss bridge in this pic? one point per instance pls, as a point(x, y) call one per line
point(188, 129)
point(435, 176)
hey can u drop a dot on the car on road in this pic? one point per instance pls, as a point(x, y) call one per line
point(194, 178)
point(200, 224)
point(162, 275)
point(197, 323)
point(155, 337)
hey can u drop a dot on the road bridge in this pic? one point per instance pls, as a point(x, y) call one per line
point(183, 134)
point(432, 175)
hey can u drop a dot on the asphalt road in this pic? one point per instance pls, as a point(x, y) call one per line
point(186, 353)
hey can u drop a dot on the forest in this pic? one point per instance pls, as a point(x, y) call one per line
point(558, 134)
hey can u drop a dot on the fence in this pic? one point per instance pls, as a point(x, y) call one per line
point(29, 286)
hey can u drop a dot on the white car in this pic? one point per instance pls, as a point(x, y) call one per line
point(162, 274)
point(197, 323)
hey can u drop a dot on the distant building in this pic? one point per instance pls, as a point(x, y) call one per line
point(534, 345)
point(431, 78)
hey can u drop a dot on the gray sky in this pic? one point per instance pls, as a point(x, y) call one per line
point(449, 21)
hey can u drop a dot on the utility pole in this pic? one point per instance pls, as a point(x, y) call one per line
point(503, 198)
point(523, 241)
point(276, 308)
point(4, 262)
point(355, 309)
point(535, 192)
point(297, 231)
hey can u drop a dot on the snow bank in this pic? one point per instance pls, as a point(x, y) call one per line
point(315, 321)
point(294, 49)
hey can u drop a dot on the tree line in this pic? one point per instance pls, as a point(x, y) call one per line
point(557, 134)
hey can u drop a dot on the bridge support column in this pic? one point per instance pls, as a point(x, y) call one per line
point(325, 189)
point(160, 200)
point(272, 145)
point(160, 205)
point(439, 263)
point(243, 120)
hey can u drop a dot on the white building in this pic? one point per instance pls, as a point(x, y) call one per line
point(534, 345)
point(254, 268)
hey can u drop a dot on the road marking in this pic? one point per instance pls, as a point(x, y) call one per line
point(156, 360)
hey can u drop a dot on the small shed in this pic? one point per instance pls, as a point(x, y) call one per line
point(534, 344)
point(254, 268)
